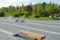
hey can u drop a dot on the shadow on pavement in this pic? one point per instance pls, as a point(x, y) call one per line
point(22, 37)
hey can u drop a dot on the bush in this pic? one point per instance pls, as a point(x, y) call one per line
point(37, 16)
point(1, 14)
point(43, 13)
point(26, 16)
point(21, 14)
point(16, 15)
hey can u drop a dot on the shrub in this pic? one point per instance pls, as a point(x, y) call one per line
point(1, 14)
point(16, 15)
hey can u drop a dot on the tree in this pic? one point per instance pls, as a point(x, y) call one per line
point(11, 9)
point(58, 9)
point(43, 13)
point(29, 9)
point(51, 9)
point(36, 9)
point(43, 5)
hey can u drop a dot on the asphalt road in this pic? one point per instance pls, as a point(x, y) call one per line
point(8, 27)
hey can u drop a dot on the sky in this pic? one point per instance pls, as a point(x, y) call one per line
point(6, 3)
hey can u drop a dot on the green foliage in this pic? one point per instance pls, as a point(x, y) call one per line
point(43, 5)
point(43, 13)
point(37, 16)
point(29, 9)
point(36, 11)
point(16, 15)
point(46, 18)
point(1, 14)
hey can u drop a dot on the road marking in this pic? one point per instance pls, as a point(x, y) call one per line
point(48, 22)
point(43, 25)
point(6, 32)
point(10, 34)
point(39, 24)
point(57, 33)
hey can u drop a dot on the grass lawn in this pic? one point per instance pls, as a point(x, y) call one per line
point(31, 17)
point(42, 18)
point(46, 18)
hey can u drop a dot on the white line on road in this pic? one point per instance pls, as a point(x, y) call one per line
point(44, 25)
point(10, 34)
point(34, 28)
point(6, 32)
point(40, 23)
point(48, 22)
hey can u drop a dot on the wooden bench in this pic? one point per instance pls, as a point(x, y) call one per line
point(33, 35)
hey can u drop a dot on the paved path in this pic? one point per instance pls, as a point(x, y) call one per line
point(9, 27)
